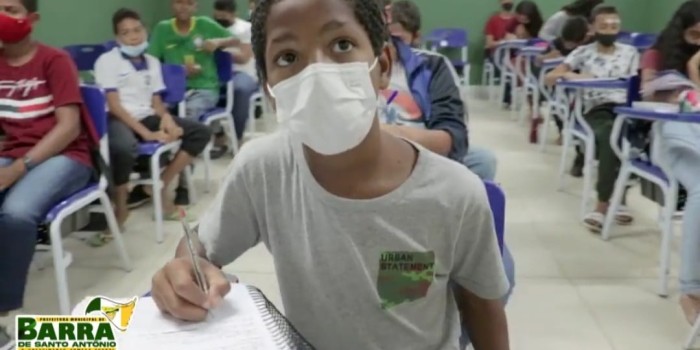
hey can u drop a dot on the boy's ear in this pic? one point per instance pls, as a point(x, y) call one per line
point(416, 39)
point(385, 63)
point(34, 17)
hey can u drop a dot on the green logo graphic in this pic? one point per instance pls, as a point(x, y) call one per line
point(404, 277)
point(94, 331)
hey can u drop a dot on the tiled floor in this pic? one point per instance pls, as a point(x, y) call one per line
point(573, 291)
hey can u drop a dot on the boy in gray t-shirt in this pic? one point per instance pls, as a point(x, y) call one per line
point(377, 242)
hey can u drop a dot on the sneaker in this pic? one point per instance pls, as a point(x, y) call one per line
point(577, 168)
point(6, 341)
point(137, 197)
point(218, 152)
point(182, 197)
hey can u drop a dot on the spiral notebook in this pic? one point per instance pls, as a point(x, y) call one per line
point(245, 320)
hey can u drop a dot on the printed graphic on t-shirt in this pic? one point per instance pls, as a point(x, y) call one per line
point(404, 277)
point(402, 108)
point(19, 100)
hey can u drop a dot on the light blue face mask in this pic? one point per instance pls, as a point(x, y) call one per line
point(134, 51)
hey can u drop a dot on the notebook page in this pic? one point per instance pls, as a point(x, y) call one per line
point(236, 325)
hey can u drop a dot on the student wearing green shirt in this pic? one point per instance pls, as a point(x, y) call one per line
point(191, 41)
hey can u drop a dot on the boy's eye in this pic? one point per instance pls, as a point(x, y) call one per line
point(286, 59)
point(343, 45)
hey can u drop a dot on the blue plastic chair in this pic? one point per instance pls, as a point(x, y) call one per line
point(575, 126)
point(86, 55)
point(643, 41)
point(224, 65)
point(625, 37)
point(452, 38)
point(95, 102)
point(654, 170)
point(497, 201)
point(175, 79)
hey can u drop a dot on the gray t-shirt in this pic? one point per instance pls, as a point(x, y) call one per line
point(360, 274)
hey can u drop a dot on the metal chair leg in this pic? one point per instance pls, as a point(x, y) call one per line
point(116, 232)
point(60, 264)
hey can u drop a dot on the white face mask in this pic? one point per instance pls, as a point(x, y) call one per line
point(329, 107)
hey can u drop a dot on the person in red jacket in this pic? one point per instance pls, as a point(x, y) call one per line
point(46, 154)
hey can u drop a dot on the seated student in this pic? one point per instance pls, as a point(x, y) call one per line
point(553, 28)
point(133, 81)
point(245, 82)
point(427, 105)
point(528, 21)
point(526, 26)
point(45, 157)
point(191, 41)
point(603, 59)
point(405, 28)
point(678, 48)
point(573, 34)
point(342, 203)
point(498, 24)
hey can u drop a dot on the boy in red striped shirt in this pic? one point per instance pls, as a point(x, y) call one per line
point(46, 154)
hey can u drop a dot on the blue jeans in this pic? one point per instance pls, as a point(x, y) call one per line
point(244, 86)
point(199, 102)
point(682, 147)
point(509, 265)
point(481, 162)
point(22, 208)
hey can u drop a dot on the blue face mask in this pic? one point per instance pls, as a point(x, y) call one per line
point(134, 51)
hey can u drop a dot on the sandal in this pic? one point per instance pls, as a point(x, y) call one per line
point(623, 216)
point(594, 221)
point(175, 216)
point(99, 239)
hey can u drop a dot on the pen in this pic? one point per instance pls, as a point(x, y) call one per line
point(189, 237)
point(392, 97)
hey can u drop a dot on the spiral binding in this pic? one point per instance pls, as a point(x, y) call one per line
point(283, 333)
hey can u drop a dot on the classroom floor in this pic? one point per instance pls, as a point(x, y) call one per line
point(574, 291)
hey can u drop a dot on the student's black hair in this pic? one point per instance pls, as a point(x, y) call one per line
point(407, 14)
point(671, 43)
point(575, 29)
point(530, 10)
point(367, 12)
point(31, 5)
point(225, 5)
point(603, 9)
point(582, 7)
point(121, 15)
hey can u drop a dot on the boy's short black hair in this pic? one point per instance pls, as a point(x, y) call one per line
point(31, 5)
point(603, 9)
point(225, 5)
point(368, 13)
point(407, 14)
point(575, 29)
point(121, 15)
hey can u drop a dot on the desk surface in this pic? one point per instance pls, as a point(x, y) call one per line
point(595, 83)
point(657, 115)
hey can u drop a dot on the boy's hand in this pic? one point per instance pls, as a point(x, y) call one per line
point(193, 69)
point(158, 136)
point(10, 174)
point(175, 291)
point(210, 46)
point(167, 124)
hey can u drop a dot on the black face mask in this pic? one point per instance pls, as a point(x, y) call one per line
point(507, 6)
point(224, 22)
point(606, 40)
point(690, 49)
